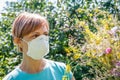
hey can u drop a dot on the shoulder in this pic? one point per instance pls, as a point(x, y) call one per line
point(11, 75)
point(60, 66)
point(8, 77)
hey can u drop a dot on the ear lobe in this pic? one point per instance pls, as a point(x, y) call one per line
point(19, 49)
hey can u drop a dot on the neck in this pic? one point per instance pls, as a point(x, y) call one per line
point(30, 65)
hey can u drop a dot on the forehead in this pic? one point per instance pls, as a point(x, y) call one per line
point(40, 30)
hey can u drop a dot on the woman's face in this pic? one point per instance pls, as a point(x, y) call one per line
point(41, 31)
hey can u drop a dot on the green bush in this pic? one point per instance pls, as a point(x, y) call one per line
point(66, 20)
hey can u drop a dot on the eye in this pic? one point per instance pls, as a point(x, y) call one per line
point(35, 36)
point(46, 34)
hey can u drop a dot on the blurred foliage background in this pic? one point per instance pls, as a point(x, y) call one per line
point(78, 28)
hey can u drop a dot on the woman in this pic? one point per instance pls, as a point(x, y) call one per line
point(30, 34)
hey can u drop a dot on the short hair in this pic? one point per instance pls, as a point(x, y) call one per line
point(26, 22)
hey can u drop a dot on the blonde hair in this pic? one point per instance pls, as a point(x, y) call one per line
point(25, 23)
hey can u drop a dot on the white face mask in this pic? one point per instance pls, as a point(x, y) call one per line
point(38, 47)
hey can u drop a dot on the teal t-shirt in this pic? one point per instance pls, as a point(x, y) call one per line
point(52, 71)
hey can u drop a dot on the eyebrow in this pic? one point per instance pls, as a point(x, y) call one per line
point(36, 32)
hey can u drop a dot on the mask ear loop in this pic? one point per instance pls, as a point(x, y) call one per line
point(24, 40)
point(20, 49)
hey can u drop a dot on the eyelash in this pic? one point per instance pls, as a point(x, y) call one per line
point(46, 34)
point(35, 36)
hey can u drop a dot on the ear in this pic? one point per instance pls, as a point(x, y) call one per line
point(17, 41)
point(19, 49)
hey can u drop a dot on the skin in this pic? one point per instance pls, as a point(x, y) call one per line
point(28, 64)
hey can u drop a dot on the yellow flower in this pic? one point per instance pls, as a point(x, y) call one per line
point(96, 10)
point(65, 77)
point(74, 49)
point(98, 40)
point(106, 26)
point(91, 35)
point(82, 23)
point(111, 24)
point(103, 60)
point(87, 31)
point(104, 21)
point(86, 27)
point(89, 63)
point(111, 41)
point(88, 54)
point(94, 50)
point(76, 56)
point(109, 17)
point(68, 68)
point(67, 50)
point(79, 10)
point(90, 15)
point(118, 55)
